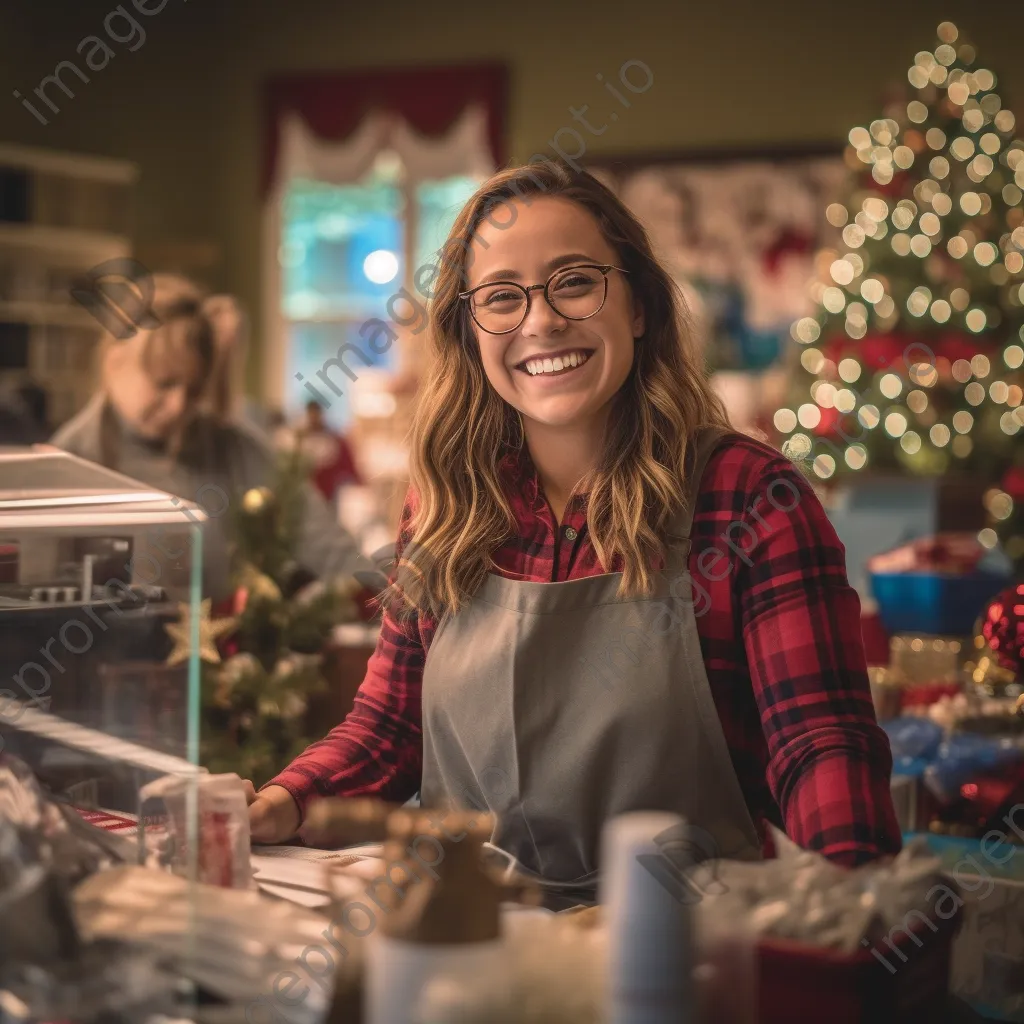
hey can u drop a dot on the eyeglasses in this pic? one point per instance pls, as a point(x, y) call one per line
point(575, 293)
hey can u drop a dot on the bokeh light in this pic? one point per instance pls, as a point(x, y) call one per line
point(824, 466)
point(836, 214)
point(812, 360)
point(785, 421)
point(895, 424)
point(917, 401)
point(976, 320)
point(970, 203)
point(910, 442)
point(974, 393)
point(850, 370)
point(856, 456)
point(806, 330)
point(890, 385)
point(963, 421)
point(869, 416)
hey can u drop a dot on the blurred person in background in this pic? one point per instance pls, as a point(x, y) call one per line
point(282, 437)
point(231, 331)
point(329, 455)
point(36, 401)
point(23, 415)
point(162, 415)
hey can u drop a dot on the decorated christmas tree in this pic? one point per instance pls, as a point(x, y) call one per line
point(262, 663)
point(913, 359)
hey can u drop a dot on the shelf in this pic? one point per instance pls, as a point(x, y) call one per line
point(67, 215)
point(58, 314)
point(71, 165)
point(91, 246)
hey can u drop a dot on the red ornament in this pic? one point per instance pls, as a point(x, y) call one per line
point(989, 794)
point(1002, 626)
point(1013, 483)
point(827, 423)
point(788, 243)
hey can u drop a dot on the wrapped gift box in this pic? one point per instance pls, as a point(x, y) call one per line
point(933, 602)
point(937, 584)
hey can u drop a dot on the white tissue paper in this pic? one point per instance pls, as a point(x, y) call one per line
point(804, 897)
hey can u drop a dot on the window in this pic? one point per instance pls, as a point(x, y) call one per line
point(437, 205)
point(346, 251)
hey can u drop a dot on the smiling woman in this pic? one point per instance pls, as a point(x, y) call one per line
point(571, 472)
point(536, 236)
point(521, 341)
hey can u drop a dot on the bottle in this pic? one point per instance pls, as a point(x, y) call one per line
point(447, 919)
point(441, 911)
point(650, 928)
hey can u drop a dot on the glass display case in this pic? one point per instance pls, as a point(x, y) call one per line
point(126, 889)
point(100, 624)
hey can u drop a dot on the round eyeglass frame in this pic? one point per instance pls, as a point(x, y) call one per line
point(526, 289)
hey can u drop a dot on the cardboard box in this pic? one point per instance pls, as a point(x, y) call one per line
point(987, 969)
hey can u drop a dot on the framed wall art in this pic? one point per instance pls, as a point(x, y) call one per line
point(738, 231)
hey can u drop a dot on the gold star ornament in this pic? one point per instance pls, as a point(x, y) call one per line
point(210, 631)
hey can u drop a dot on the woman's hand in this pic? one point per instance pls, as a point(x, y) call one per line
point(273, 814)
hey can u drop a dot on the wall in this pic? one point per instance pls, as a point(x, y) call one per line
point(151, 105)
point(186, 103)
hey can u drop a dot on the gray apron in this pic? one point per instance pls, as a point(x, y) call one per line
point(556, 706)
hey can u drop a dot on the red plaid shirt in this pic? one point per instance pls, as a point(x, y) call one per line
point(780, 634)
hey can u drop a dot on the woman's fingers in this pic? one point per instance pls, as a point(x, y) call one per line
point(262, 825)
point(273, 815)
point(250, 791)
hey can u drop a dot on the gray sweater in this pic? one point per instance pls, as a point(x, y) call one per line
point(218, 462)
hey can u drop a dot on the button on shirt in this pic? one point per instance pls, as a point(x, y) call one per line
point(779, 632)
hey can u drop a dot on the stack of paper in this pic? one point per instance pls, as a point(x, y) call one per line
point(300, 874)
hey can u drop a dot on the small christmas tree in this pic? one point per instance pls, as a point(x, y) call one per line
point(255, 703)
point(913, 361)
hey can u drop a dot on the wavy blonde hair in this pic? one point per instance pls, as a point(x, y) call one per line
point(462, 428)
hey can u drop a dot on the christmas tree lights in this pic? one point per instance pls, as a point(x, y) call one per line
point(913, 360)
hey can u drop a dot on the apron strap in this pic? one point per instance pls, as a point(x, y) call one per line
point(704, 443)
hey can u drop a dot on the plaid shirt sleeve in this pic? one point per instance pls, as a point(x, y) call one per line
point(378, 749)
point(828, 760)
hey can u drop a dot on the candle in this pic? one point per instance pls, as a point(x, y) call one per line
point(650, 928)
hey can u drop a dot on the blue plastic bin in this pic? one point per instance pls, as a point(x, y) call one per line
point(929, 602)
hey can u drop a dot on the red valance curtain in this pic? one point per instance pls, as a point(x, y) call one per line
point(429, 99)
